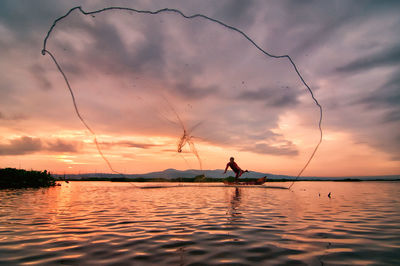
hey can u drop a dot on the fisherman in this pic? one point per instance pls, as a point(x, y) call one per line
point(235, 168)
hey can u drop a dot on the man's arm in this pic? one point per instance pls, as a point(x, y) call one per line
point(226, 168)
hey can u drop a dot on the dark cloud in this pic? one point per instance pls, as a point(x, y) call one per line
point(27, 18)
point(130, 144)
point(386, 100)
point(20, 146)
point(8, 89)
point(389, 143)
point(319, 36)
point(107, 50)
point(28, 145)
point(392, 116)
point(287, 149)
point(386, 96)
point(268, 134)
point(189, 91)
point(235, 12)
point(141, 56)
point(305, 28)
point(279, 97)
point(314, 23)
point(383, 5)
point(39, 74)
point(13, 117)
point(59, 145)
point(387, 57)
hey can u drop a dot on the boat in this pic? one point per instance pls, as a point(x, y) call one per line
point(257, 182)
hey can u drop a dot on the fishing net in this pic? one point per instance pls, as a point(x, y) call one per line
point(151, 87)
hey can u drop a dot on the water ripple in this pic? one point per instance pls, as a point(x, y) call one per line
point(88, 223)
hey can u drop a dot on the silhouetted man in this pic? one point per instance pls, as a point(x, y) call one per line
point(235, 168)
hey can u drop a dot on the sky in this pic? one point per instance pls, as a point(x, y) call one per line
point(140, 80)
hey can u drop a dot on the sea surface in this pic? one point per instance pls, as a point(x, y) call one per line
point(97, 223)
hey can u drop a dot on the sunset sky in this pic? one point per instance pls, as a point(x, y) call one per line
point(133, 74)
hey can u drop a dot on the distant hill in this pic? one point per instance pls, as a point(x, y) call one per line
point(219, 173)
point(174, 173)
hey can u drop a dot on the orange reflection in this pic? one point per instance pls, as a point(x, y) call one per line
point(233, 210)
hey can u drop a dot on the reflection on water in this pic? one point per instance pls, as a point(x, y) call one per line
point(117, 223)
point(233, 211)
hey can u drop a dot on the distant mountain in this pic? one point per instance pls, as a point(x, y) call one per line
point(218, 173)
point(173, 173)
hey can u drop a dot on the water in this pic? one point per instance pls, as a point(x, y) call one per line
point(88, 223)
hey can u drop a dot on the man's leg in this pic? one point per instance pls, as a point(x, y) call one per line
point(237, 177)
point(241, 172)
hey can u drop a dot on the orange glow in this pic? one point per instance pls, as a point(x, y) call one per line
point(338, 155)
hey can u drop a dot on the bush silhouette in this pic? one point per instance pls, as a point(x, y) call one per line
point(19, 178)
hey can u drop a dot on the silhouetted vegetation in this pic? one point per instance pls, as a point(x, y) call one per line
point(348, 180)
point(19, 178)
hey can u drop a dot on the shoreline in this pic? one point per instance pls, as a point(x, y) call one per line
point(185, 180)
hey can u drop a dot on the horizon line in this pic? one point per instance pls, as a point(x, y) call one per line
point(258, 172)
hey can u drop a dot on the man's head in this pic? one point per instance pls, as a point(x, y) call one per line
point(231, 159)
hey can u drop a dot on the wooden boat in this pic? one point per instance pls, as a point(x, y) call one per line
point(257, 182)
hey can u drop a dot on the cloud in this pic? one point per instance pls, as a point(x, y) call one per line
point(236, 12)
point(38, 73)
point(288, 149)
point(13, 117)
point(387, 57)
point(311, 26)
point(382, 130)
point(27, 18)
point(279, 97)
point(28, 145)
point(20, 146)
point(59, 145)
point(202, 65)
point(130, 144)
point(392, 116)
point(189, 91)
point(386, 96)
point(100, 42)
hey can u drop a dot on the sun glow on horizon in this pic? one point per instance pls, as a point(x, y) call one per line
point(137, 154)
